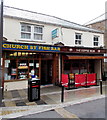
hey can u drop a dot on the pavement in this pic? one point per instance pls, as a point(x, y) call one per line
point(87, 110)
point(15, 103)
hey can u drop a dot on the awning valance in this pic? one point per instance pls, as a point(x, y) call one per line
point(85, 57)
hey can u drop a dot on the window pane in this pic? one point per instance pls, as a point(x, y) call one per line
point(26, 35)
point(95, 43)
point(96, 40)
point(35, 29)
point(76, 37)
point(76, 42)
point(26, 28)
point(79, 42)
point(38, 29)
point(79, 36)
point(37, 37)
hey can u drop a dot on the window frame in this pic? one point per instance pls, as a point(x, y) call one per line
point(32, 32)
point(38, 33)
point(96, 41)
point(24, 32)
point(78, 41)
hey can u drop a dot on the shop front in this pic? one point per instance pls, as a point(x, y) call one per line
point(48, 63)
point(22, 61)
point(84, 64)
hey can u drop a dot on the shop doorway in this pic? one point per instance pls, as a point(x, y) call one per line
point(46, 72)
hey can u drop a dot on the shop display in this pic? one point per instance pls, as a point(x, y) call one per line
point(13, 71)
point(22, 71)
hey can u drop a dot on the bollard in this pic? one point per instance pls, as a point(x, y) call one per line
point(62, 94)
point(101, 87)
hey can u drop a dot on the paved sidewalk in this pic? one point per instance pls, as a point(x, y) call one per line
point(16, 112)
point(90, 109)
point(16, 103)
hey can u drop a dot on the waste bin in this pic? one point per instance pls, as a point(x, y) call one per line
point(33, 89)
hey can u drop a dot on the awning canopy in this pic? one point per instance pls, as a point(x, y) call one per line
point(84, 57)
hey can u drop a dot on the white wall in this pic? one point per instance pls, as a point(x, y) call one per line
point(66, 35)
point(11, 29)
point(87, 38)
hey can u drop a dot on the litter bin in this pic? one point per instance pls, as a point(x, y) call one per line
point(33, 89)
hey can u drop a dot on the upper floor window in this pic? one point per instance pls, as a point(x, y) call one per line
point(31, 32)
point(25, 31)
point(96, 40)
point(38, 33)
point(78, 38)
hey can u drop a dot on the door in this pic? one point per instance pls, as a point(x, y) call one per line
point(46, 72)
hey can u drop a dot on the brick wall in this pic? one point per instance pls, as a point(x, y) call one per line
point(102, 25)
point(98, 25)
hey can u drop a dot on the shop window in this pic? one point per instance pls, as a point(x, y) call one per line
point(31, 32)
point(75, 67)
point(67, 66)
point(34, 65)
point(78, 38)
point(24, 55)
point(96, 40)
point(18, 66)
point(22, 69)
point(9, 55)
point(91, 66)
point(79, 66)
point(10, 71)
point(83, 67)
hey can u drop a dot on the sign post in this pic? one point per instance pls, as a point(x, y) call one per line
point(1, 39)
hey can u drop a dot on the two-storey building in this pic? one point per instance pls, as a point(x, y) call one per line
point(48, 45)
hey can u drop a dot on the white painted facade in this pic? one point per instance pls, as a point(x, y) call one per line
point(13, 18)
point(66, 35)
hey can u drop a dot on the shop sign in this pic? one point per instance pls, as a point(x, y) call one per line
point(24, 47)
point(85, 50)
point(55, 33)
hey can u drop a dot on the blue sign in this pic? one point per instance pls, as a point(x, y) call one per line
point(55, 33)
point(12, 46)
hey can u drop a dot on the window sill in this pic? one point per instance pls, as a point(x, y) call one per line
point(77, 45)
point(39, 41)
